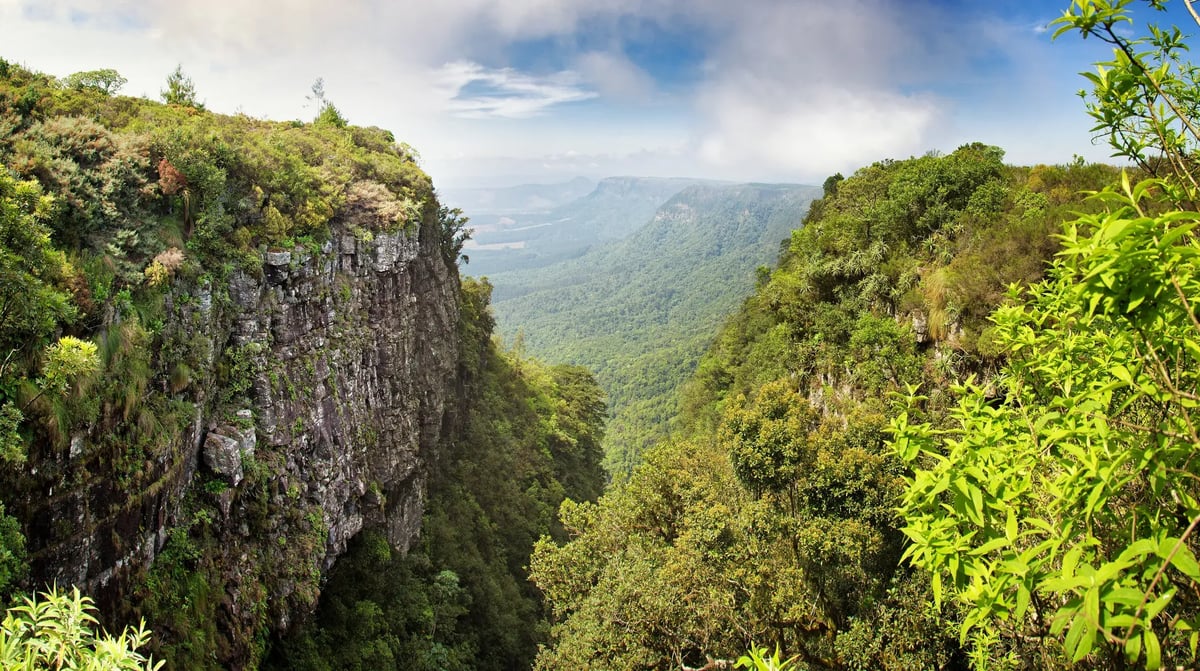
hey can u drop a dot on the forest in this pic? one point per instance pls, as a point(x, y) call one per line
point(953, 427)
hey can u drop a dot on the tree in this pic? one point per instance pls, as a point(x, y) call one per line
point(327, 113)
point(1068, 505)
point(56, 630)
point(453, 233)
point(31, 304)
point(180, 90)
point(12, 553)
point(769, 439)
point(107, 81)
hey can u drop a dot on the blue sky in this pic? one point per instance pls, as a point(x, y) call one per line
point(507, 91)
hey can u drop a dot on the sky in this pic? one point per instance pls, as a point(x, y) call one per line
point(498, 92)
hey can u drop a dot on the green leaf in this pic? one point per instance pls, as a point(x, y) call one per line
point(1126, 596)
point(1121, 372)
point(1022, 601)
point(1133, 648)
point(1153, 651)
point(1091, 606)
point(990, 546)
point(1155, 607)
point(1074, 638)
point(1185, 561)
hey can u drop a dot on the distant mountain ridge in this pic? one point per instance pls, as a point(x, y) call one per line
point(612, 210)
point(639, 311)
point(515, 199)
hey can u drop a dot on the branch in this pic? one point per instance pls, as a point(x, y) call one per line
point(8, 358)
point(1192, 11)
point(1158, 576)
point(1124, 47)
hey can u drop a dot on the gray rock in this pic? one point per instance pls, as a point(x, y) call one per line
point(223, 456)
point(346, 359)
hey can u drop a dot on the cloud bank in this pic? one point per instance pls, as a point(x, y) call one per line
point(758, 89)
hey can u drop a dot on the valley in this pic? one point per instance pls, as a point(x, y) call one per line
point(642, 304)
point(898, 375)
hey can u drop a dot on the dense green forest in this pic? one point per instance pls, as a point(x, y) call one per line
point(771, 517)
point(640, 311)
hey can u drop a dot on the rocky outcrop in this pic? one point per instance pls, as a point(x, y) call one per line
point(318, 390)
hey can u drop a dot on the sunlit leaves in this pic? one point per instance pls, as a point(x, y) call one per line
point(1145, 100)
point(58, 630)
point(1077, 483)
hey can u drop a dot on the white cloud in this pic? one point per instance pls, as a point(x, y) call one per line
point(505, 93)
point(807, 89)
point(822, 130)
point(615, 76)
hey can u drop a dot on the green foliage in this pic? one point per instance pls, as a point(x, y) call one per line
point(641, 311)
point(56, 630)
point(116, 214)
point(768, 440)
point(32, 300)
point(383, 610)
point(97, 177)
point(758, 660)
point(331, 116)
point(12, 554)
point(66, 361)
point(773, 519)
point(453, 233)
point(180, 90)
point(1069, 507)
point(106, 81)
point(1144, 100)
point(1059, 508)
point(326, 112)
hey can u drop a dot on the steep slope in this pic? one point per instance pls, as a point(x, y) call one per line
point(522, 438)
point(611, 211)
point(770, 518)
point(229, 347)
point(641, 311)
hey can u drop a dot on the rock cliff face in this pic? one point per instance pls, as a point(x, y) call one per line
point(316, 398)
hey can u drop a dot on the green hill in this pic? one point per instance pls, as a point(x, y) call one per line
point(769, 517)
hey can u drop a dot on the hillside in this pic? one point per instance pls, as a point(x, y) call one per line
point(770, 517)
point(639, 312)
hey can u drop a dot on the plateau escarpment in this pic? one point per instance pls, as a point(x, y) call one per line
point(265, 322)
point(318, 389)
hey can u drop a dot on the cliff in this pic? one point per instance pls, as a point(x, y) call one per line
point(274, 309)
